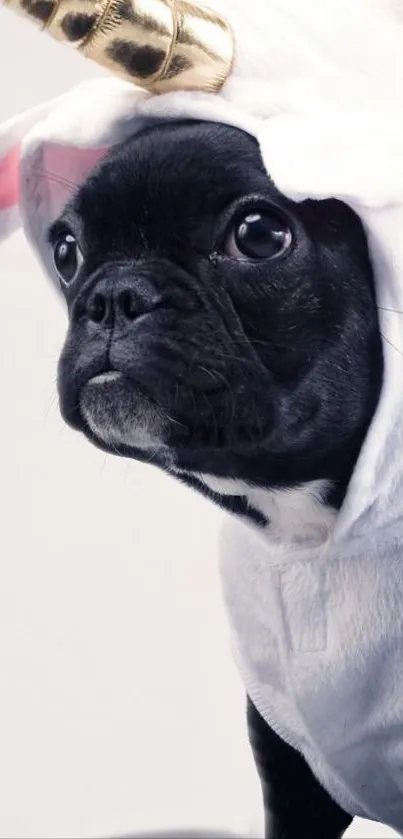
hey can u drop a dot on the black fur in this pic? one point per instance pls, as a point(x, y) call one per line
point(296, 806)
point(265, 371)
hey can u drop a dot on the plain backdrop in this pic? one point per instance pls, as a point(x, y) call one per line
point(120, 708)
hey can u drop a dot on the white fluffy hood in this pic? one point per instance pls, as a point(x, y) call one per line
point(322, 93)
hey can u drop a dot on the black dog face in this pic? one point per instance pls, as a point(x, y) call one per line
point(215, 326)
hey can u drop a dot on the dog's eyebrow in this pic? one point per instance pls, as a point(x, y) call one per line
point(54, 231)
point(67, 220)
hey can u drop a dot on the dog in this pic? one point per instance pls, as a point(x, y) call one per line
point(232, 336)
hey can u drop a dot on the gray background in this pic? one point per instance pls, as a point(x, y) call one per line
point(120, 709)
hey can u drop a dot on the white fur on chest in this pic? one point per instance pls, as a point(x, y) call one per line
point(295, 516)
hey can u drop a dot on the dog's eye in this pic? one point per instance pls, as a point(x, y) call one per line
point(67, 257)
point(258, 235)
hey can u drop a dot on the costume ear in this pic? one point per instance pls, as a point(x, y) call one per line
point(9, 189)
point(12, 133)
point(46, 153)
point(58, 174)
point(50, 172)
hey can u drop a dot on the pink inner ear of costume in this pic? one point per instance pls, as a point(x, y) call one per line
point(64, 169)
point(9, 178)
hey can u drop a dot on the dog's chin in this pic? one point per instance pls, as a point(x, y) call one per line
point(119, 414)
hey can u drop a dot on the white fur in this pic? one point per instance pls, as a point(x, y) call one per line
point(140, 424)
point(315, 56)
point(295, 516)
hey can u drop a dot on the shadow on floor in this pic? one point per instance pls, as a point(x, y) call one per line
point(181, 834)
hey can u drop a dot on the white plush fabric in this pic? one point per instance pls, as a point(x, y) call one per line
point(312, 57)
point(318, 630)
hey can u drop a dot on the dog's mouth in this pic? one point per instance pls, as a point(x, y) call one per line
point(123, 413)
point(153, 401)
point(119, 413)
point(127, 416)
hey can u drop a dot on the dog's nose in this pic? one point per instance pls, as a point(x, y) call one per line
point(97, 308)
point(122, 299)
point(101, 306)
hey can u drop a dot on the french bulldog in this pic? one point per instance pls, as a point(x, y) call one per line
point(231, 336)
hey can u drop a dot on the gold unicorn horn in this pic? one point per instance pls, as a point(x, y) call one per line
point(159, 45)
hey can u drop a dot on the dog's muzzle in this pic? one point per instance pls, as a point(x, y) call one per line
point(96, 380)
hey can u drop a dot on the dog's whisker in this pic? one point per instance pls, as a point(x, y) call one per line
point(151, 456)
point(104, 464)
point(212, 373)
point(52, 405)
point(230, 357)
point(193, 361)
point(176, 400)
point(174, 421)
point(256, 342)
point(115, 449)
point(57, 179)
point(213, 417)
point(216, 374)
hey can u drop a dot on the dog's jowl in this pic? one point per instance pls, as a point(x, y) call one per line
point(233, 335)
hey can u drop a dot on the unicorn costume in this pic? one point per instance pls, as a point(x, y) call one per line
point(318, 628)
